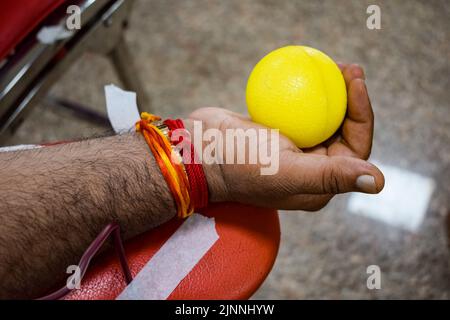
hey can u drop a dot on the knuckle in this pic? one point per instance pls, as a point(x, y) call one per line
point(332, 181)
point(205, 112)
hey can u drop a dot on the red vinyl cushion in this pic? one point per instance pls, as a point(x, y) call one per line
point(18, 18)
point(233, 268)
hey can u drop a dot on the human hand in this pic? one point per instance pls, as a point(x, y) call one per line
point(306, 179)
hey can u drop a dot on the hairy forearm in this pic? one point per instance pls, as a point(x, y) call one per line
point(55, 200)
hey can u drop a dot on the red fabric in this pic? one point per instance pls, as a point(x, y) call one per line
point(18, 18)
point(233, 268)
point(194, 169)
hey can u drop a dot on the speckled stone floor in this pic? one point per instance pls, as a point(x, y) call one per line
point(199, 53)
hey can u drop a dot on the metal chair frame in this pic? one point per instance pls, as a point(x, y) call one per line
point(29, 72)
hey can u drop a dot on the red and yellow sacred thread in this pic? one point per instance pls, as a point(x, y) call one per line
point(173, 172)
point(194, 169)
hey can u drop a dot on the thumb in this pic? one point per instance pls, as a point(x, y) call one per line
point(318, 174)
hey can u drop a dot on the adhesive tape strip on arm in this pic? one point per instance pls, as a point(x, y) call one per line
point(173, 261)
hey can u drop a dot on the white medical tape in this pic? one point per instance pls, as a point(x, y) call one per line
point(173, 261)
point(20, 147)
point(122, 108)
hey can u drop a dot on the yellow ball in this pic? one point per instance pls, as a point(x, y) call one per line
point(300, 91)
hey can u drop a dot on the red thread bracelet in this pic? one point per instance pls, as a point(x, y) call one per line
point(194, 169)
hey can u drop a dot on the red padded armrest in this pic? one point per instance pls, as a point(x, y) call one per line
point(233, 268)
point(18, 18)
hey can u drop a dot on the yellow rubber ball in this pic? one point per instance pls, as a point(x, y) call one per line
point(300, 91)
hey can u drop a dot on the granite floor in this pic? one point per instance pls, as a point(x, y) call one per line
point(199, 53)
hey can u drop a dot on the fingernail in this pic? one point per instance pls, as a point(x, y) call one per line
point(366, 183)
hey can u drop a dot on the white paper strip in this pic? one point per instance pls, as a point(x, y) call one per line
point(51, 34)
point(20, 147)
point(122, 108)
point(174, 260)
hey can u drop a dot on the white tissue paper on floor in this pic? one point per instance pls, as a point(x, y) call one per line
point(403, 202)
point(173, 261)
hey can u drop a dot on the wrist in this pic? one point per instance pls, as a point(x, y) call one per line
point(217, 186)
point(125, 182)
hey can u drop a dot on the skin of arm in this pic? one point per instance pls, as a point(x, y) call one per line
point(55, 200)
